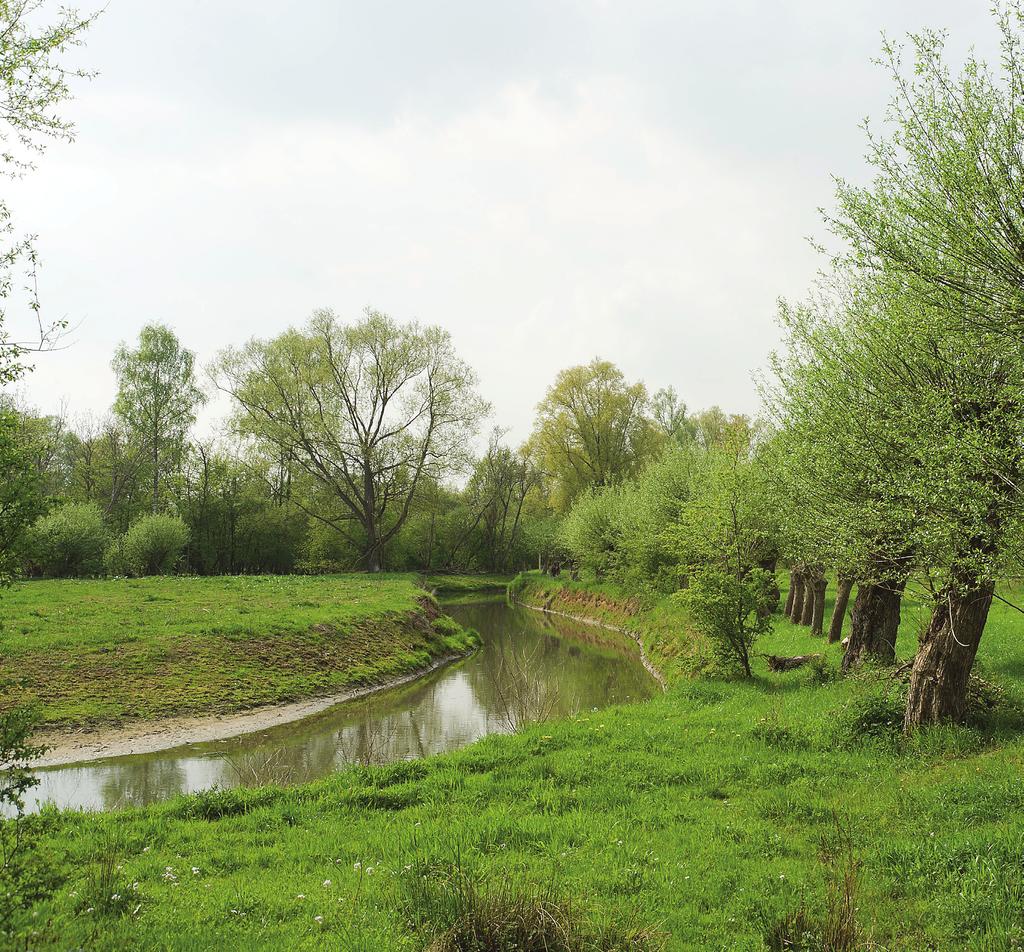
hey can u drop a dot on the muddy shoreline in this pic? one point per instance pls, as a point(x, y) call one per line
point(147, 737)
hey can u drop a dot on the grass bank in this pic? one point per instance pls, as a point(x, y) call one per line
point(92, 653)
point(465, 584)
point(782, 813)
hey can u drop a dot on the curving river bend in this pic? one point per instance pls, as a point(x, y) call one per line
point(530, 665)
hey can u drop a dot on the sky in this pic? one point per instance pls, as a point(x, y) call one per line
point(549, 180)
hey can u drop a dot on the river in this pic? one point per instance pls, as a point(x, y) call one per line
point(531, 666)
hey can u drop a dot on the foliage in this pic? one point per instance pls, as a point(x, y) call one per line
point(35, 84)
point(20, 500)
point(68, 542)
point(593, 430)
point(152, 546)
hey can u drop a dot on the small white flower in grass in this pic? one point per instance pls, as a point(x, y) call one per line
point(318, 918)
point(115, 897)
point(301, 896)
point(195, 870)
point(327, 883)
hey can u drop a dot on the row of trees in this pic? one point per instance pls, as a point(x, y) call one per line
point(349, 444)
point(899, 402)
point(893, 453)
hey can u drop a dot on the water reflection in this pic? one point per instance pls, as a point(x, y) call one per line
point(531, 666)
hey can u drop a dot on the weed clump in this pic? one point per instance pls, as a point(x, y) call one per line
point(454, 911)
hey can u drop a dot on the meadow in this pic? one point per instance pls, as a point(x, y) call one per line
point(96, 652)
point(786, 812)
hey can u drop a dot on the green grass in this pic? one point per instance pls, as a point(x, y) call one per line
point(715, 813)
point(95, 652)
point(466, 584)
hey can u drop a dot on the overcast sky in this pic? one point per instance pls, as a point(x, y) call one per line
point(550, 181)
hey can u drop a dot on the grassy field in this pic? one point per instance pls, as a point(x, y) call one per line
point(720, 815)
point(97, 652)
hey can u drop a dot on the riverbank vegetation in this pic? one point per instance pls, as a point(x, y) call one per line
point(85, 653)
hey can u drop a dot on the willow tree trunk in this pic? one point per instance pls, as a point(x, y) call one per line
point(843, 589)
point(807, 610)
point(770, 605)
point(945, 656)
point(790, 595)
point(818, 614)
point(798, 596)
point(874, 623)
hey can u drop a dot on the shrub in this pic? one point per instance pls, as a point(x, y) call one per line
point(152, 546)
point(726, 610)
point(68, 542)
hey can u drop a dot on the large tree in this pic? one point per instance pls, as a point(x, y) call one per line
point(593, 430)
point(157, 398)
point(369, 410)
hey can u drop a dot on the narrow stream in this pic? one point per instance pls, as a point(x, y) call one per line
point(531, 664)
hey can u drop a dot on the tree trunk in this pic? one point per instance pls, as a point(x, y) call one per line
point(771, 603)
point(945, 656)
point(372, 554)
point(818, 615)
point(874, 623)
point(788, 610)
point(798, 597)
point(807, 609)
point(843, 588)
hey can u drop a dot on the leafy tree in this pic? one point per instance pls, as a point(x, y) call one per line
point(669, 413)
point(593, 430)
point(725, 533)
point(157, 398)
point(368, 411)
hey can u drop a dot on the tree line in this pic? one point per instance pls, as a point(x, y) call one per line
point(349, 445)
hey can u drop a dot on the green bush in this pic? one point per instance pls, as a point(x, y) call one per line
point(152, 546)
point(68, 542)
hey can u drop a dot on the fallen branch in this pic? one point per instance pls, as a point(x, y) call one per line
point(783, 663)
